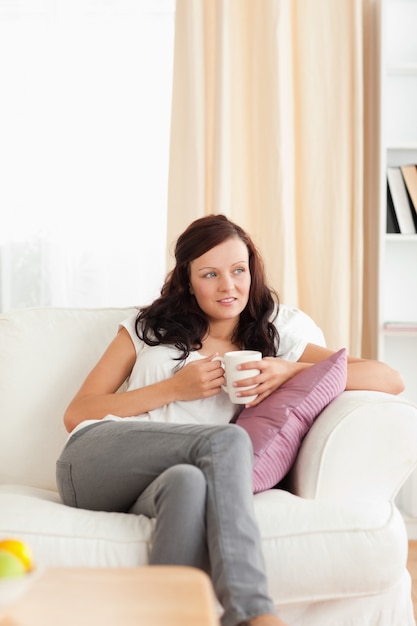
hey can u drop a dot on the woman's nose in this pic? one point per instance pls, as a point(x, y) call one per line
point(226, 282)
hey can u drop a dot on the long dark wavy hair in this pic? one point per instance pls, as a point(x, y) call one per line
point(175, 317)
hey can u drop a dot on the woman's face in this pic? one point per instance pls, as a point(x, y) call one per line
point(220, 280)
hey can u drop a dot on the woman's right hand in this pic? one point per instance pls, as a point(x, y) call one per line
point(198, 379)
point(97, 396)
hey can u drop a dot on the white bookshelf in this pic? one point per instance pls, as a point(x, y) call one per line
point(398, 253)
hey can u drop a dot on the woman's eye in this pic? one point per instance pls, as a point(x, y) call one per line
point(210, 275)
point(239, 270)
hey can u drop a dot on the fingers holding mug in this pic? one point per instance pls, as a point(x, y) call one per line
point(231, 362)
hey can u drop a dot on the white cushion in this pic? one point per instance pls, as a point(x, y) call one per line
point(314, 550)
point(321, 549)
point(45, 355)
point(62, 536)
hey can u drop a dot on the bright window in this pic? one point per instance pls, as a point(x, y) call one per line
point(84, 138)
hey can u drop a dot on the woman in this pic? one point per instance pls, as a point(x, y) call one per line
point(164, 448)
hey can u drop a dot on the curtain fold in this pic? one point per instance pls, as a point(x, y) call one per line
point(268, 128)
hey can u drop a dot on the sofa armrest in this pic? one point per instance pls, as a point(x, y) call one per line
point(364, 444)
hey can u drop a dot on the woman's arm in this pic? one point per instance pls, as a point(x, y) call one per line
point(361, 373)
point(97, 396)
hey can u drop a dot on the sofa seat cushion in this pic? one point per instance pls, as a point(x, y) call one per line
point(388, 608)
point(62, 536)
point(304, 541)
point(321, 549)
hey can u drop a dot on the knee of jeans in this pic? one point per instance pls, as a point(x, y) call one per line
point(187, 477)
point(234, 437)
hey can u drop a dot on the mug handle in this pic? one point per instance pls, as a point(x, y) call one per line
point(220, 359)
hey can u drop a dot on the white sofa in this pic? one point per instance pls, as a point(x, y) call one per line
point(335, 545)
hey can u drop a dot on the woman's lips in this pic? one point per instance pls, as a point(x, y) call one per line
point(227, 300)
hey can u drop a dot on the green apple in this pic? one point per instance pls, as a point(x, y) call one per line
point(10, 565)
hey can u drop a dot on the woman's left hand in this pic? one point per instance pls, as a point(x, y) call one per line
point(273, 372)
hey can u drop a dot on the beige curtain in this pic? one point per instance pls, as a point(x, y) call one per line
point(268, 127)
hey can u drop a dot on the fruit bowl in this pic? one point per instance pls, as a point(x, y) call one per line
point(12, 588)
point(17, 570)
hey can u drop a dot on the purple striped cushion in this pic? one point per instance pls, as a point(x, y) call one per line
point(278, 424)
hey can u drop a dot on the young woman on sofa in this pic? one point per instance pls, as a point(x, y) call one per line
point(164, 447)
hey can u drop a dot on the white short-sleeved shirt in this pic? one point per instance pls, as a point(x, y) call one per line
point(156, 363)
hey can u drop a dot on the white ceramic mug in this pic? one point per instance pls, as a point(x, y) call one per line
point(230, 361)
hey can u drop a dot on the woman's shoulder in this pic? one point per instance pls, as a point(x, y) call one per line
point(130, 325)
point(296, 329)
point(293, 320)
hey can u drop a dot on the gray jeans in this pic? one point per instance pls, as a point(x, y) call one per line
point(195, 480)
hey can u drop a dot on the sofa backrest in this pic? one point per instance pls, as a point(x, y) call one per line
point(45, 354)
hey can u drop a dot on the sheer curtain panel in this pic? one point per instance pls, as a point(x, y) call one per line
point(269, 121)
point(84, 134)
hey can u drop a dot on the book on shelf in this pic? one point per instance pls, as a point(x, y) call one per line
point(400, 326)
point(392, 226)
point(400, 201)
point(409, 173)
